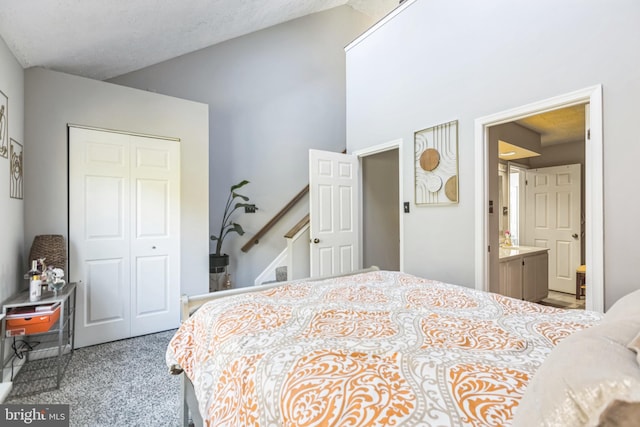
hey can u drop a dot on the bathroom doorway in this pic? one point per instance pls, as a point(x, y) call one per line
point(487, 229)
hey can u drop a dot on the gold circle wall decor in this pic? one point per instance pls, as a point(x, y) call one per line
point(451, 188)
point(429, 159)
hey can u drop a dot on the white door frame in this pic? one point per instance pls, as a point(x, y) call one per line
point(369, 151)
point(594, 207)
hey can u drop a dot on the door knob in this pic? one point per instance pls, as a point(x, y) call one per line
point(153, 247)
point(316, 240)
point(574, 235)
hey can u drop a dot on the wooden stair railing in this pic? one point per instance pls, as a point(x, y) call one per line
point(299, 226)
point(256, 239)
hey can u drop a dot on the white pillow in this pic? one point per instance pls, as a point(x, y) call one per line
point(635, 346)
point(581, 376)
point(625, 307)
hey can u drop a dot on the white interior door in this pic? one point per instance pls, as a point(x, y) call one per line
point(334, 213)
point(123, 234)
point(155, 243)
point(553, 221)
point(99, 234)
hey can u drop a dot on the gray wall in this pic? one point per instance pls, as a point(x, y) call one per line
point(52, 100)
point(561, 154)
point(273, 95)
point(442, 60)
point(12, 265)
point(381, 210)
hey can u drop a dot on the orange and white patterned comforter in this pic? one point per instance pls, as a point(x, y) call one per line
point(374, 349)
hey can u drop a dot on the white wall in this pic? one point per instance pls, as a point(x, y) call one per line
point(273, 95)
point(11, 210)
point(441, 60)
point(53, 100)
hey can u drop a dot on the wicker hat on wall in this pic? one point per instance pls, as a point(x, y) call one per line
point(51, 247)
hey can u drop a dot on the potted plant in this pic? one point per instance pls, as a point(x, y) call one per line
point(218, 260)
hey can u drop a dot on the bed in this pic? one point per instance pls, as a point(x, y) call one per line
point(373, 348)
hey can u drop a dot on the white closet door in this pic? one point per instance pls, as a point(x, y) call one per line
point(99, 234)
point(123, 234)
point(155, 243)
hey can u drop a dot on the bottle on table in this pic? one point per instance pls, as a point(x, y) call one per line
point(35, 282)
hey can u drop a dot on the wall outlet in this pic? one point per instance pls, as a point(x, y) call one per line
point(250, 209)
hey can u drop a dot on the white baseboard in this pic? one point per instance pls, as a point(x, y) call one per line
point(6, 373)
point(5, 389)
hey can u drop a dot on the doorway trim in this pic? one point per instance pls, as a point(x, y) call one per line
point(594, 207)
point(369, 151)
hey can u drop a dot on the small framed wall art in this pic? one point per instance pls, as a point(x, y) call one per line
point(436, 164)
point(4, 125)
point(15, 170)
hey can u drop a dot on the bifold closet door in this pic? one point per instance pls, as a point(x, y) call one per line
point(124, 218)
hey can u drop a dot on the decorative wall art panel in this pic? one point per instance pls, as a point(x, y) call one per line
point(436, 164)
point(4, 125)
point(15, 170)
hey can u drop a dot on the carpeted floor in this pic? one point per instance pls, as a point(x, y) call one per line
point(122, 383)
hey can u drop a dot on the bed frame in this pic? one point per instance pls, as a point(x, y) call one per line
point(190, 412)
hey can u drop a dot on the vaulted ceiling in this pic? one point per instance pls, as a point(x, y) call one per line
point(101, 39)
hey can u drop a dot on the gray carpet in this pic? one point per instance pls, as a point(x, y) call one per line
point(122, 383)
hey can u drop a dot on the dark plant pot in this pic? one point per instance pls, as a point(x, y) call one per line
point(217, 263)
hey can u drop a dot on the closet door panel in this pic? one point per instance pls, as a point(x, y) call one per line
point(99, 234)
point(155, 246)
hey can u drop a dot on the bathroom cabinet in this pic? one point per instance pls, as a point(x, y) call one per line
point(524, 273)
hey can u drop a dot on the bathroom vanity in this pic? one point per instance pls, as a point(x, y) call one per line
point(524, 272)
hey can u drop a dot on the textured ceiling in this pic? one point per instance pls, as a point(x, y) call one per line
point(101, 39)
point(558, 126)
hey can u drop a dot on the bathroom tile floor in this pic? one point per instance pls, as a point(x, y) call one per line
point(562, 300)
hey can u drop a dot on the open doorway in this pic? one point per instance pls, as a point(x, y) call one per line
point(380, 213)
point(487, 237)
point(540, 214)
point(381, 196)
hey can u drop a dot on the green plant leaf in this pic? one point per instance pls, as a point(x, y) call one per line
point(237, 228)
point(245, 198)
point(227, 226)
point(239, 185)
